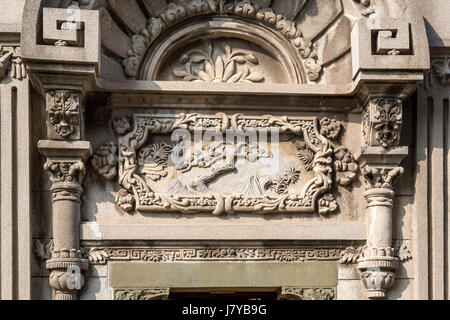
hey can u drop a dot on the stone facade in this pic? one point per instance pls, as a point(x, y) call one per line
point(298, 148)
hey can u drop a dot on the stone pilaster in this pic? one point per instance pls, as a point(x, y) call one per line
point(380, 160)
point(65, 162)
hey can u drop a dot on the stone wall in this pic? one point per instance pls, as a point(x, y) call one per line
point(109, 221)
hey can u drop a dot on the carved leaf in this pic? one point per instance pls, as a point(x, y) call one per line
point(219, 68)
point(350, 255)
point(255, 77)
point(210, 70)
point(229, 71)
point(204, 76)
point(307, 157)
point(235, 78)
point(403, 253)
point(97, 255)
point(180, 73)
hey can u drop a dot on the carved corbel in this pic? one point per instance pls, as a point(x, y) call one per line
point(377, 261)
point(65, 163)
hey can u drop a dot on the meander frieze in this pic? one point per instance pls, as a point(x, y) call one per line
point(101, 255)
point(145, 167)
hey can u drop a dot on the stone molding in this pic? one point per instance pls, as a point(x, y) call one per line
point(102, 255)
point(293, 293)
point(142, 294)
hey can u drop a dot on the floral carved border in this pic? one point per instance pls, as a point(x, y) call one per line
point(137, 194)
point(319, 155)
point(97, 255)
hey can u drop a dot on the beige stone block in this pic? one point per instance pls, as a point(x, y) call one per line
point(40, 289)
point(351, 290)
point(223, 275)
point(96, 289)
point(402, 217)
point(403, 289)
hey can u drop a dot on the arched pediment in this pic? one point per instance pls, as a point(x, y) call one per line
point(289, 41)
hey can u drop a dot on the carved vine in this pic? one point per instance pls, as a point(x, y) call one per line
point(182, 10)
point(291, 293)
point(142, 294)
point(223, 69)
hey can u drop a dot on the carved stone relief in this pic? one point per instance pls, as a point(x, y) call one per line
point(382, 122)
point(185, 176)
point(142, 294)
point(183, 10)
point(11, 61)
point(63, 111)
point(230, 66)
point(290, 293)
point(99, 255)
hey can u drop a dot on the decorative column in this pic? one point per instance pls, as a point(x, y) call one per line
point(379, 161)
point(65, 156)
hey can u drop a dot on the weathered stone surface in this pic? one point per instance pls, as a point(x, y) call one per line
point(249, 144)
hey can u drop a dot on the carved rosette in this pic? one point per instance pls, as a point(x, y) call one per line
point(382, 122)
point(141, 164)
point(64, 114)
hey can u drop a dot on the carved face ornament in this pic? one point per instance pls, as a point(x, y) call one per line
point(64, 112)
point(388, 128)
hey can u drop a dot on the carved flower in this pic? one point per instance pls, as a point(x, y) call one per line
point(121, 125)
point(153, 160)
point(345, 166)
point(153, 256)
point(200, 66)
point(105, 161)
point(287, 255)
point(330, 128)
point(280, 185)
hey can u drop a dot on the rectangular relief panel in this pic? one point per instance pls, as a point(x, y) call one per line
point(199, 163)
